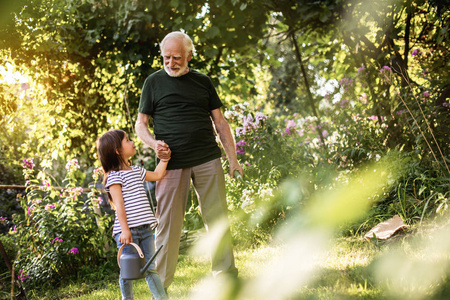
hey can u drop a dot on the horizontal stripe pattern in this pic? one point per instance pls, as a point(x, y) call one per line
point(137, 206)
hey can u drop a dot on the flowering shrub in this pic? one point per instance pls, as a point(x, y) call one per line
point(269, 151)
point(59, 232)
point(367, 116)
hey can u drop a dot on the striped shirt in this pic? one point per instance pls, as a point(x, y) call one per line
point(137, 206)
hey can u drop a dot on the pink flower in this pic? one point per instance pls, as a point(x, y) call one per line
point(49, 206)
point(290, 127)
point(426, 94)
point(97, 173)
point(415, 52)
point(57, 239)
point(22, 276)
point(28, 163)
point(74, 251)
point(363, 98)
point(72, 165)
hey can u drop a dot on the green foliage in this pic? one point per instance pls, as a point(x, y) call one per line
point(58, 232)
point(378, 75)
point(11, 250)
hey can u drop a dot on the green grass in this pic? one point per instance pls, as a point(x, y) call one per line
point(342, 273)
point(414, 264)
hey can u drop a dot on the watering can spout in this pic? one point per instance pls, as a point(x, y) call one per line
point(150, 261)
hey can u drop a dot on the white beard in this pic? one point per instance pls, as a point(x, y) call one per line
point(179, 72)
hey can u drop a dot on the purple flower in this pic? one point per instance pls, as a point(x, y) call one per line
point(22, 276)
point(385, 68)
point(343, 103)
point(325, 134)
point(345, 83)
point(240, 147)
point(362, 68)
point(248, 121)
point(239, 131)
point(415, 52)
point(57, 239)
point(241, 143)
point(74, 251)
point(445, 104)
point(400, 112)
point(426, 94)
point(290, 127)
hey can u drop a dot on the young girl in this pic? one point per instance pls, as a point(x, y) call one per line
point(134, 221)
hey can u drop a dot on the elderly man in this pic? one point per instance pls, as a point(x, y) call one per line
point(183, 105)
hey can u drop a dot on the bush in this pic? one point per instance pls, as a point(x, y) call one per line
point(59, 231)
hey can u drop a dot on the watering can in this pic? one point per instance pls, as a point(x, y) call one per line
point(132, 265)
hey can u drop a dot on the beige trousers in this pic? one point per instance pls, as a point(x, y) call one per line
point(171, 195)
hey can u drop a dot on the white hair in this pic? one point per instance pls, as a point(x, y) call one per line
point(178, 35)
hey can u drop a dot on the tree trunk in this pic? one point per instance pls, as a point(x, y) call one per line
point(308, 90)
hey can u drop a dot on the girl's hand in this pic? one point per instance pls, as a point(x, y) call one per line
point(162, 150)
point(165, 160)
point(126, 237)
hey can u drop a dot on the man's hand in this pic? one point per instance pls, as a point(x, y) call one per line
point(162, 150)
point(235, 166)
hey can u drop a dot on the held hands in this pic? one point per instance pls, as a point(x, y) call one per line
point(163, 151)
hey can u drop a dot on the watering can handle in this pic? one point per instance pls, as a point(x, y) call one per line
point(238, 176)
point(141, 255)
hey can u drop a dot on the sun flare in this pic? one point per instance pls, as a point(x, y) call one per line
point(10, 76)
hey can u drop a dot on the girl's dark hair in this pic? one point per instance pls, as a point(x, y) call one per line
point(109, 147)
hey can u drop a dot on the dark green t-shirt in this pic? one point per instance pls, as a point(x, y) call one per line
point(180, 108)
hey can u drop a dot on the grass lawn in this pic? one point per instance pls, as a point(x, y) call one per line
point(412, 265)
point(342, 273)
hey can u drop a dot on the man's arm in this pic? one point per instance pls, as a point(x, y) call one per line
point(162, 149)
point(227, 140)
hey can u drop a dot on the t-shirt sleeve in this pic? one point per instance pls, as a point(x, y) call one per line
point(146, 101)
point(113, 178)
point(143, 172)
point(214, 100)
